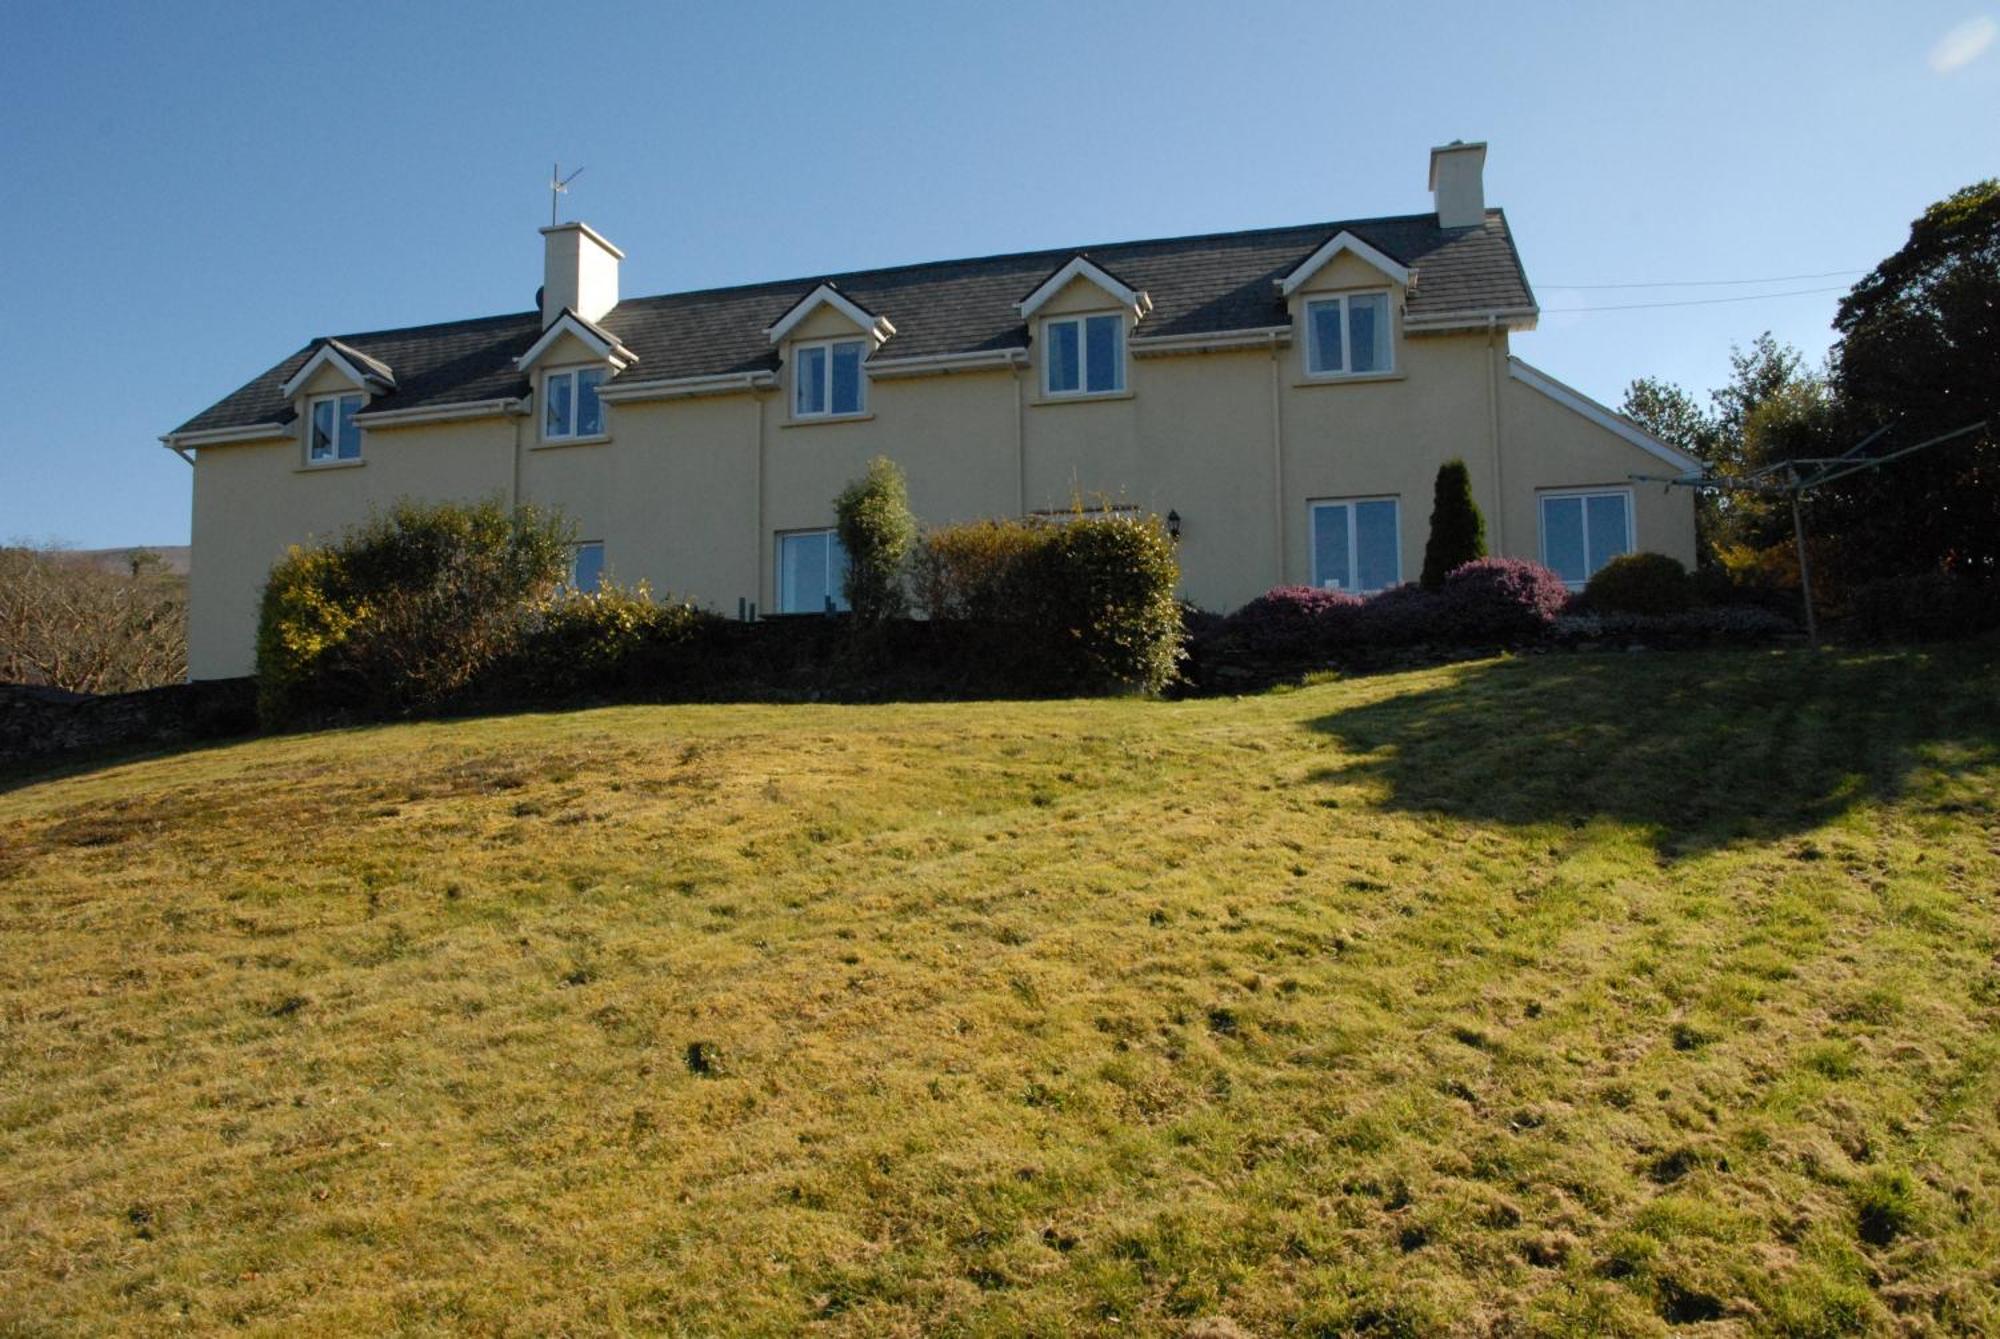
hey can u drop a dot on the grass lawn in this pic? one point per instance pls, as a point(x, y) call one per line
point(1572, 994)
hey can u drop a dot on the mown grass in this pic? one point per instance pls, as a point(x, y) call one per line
point(1571, 995)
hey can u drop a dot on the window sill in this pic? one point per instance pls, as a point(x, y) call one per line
point(1097, 397)
point(559, 443)
point(1343, 379)
point(826, 420)
point(319, 466)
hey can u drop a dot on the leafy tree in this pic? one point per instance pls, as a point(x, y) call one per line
point(1458, 531)
point(878, 532)
point(1672, 415)
point(1920, 350)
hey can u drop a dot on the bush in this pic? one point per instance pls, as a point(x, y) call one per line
point(877, 530)
point(612, 640)
point(402, 612)
point(1499, 599)
point(1400, 616)
point(1742, 623)
point(69, 623)
point(1932, 606)
point(1640, 583)
point(1458, 531)
point(1294, 621)
point(1085, 604)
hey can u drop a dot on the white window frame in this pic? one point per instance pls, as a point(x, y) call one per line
point(312, 405)
point(826, 533)
point(1608, 490)
point(1353, 538)
point(1081, 320)
point(573, 375)
point(826, 384)
point(1311, 341)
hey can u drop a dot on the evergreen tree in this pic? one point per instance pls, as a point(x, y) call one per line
point(1458, 531)
point(878, 531)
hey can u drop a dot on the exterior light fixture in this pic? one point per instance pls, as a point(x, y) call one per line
point(1173, 525)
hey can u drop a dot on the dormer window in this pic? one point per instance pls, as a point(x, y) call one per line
point(570, 407)
point(1348, 335)
point(826, 378)
point(332, 434)
point(1084, 355)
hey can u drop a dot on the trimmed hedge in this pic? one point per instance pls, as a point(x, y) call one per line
point(612, 641)
point(1085, 604)
point(1640, 583)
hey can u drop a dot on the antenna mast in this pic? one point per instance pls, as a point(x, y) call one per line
point(559, 187)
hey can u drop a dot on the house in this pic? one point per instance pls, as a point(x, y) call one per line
point(1288, 393)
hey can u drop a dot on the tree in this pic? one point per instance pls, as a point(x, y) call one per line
point(1672, 415)
point(1919, 351)
point(1458, 531)
point(70, 624)
point(878, 531)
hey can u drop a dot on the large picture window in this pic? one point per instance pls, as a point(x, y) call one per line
point(1348, 335)
point(812, 572)
point(1582, 531)
point(1357, 545)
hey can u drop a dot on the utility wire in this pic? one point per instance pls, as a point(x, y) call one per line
point(1698, 302)
point(1712, 283)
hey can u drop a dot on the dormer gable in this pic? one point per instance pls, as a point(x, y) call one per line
point(1345, 243)
point(804, 318)
point(572, 336)
point(333, 365)
point(1081, 268)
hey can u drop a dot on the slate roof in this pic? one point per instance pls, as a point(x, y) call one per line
point(1199, 285)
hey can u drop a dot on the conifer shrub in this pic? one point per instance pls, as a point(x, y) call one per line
point(1458, 530)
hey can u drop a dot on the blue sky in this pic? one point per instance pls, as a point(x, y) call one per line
point(194, 191)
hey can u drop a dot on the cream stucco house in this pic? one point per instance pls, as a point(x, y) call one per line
point(1288, 393)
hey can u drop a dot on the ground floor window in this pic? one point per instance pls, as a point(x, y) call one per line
point(586, 567)
point(1583, 530)
point(812, 570)
point(1357, 544)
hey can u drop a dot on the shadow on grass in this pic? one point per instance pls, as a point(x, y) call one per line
point(1705, 749)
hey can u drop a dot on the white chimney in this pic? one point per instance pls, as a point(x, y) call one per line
point(1458, 185)
point(579, 271)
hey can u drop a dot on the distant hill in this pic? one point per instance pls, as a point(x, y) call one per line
point(173, 556)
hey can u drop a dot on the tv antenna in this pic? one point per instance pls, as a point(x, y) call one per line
point(559, 187)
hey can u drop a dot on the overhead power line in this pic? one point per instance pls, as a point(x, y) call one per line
point(1697, 302)
point(1713, 283)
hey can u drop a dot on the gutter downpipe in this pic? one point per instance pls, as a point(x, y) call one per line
point(763, 542)
point(1493, 432)
point(1020, 441)
point(519, 415)
point(1277, 462)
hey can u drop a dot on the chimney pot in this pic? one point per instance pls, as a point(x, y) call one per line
point(1458, 187)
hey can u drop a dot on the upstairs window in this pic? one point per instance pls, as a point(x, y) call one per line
point(812, 572)
point(332, 433)
point(1581, 532)
point(1348, 335)
point(826, 379)
point(1084, 355)
point(570, 407)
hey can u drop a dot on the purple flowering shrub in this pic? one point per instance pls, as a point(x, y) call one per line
point(1293, 621)
point(1400, 616)
point(1499, 599)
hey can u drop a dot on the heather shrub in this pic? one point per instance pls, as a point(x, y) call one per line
point(878, 531)
point(1400, 616)
point(1499, 599)
point(403, 611)
point(1640, 583)
point(1930, 606)
point(1458, 531)
point(1294, 621)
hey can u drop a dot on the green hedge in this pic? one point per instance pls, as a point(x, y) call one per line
point(403, 612)
point(1640, 583)
point(1085, 604)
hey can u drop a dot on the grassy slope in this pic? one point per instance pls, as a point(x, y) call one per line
point(1576, 994)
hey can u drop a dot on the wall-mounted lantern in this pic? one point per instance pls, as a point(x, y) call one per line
point(1173, 525)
